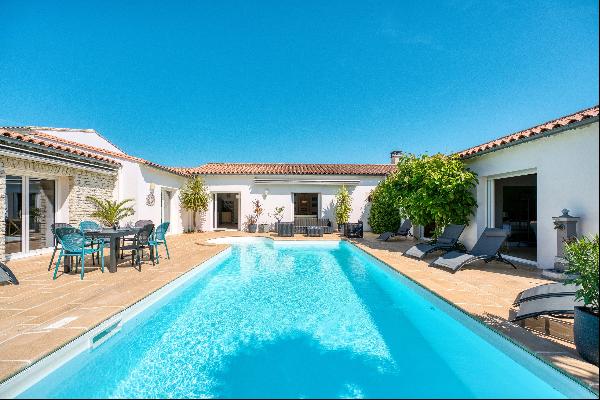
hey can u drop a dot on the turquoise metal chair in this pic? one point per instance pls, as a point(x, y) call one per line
point(74, 244)
point(86, 226)
point(159, 237)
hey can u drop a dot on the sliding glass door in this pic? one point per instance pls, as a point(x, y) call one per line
point(29, 212)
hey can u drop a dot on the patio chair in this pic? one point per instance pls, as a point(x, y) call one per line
point(138, 224)
point(6, 275)
point(546, 290)
point(141, 241)
point(447, 241)
point(285, 229)
point(87, 226)
point(487, 249)
point(553, 306)
point(158, 238)
point(73, 244)
point(56, 243)
point(403, 230)
point(353, 230)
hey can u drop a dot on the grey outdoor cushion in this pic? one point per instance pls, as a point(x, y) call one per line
point(453, 260)
point(547, 290)
point(559, 305)
point(420, 250)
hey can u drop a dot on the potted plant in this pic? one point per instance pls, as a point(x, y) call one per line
point(582, 259)
point(343, 207)
point(110, 212)
point(278, 215)
point(194, 197)
point(251, 223)
point(257, 213)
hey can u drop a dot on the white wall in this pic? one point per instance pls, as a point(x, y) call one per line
point(134, 183)
point(566, 164)
point(282, 195)
point(90, 138)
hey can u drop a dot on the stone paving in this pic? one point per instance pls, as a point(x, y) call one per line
point(40, 314)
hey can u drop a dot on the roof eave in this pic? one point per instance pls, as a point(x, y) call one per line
point(12, 147)
point(551, 132)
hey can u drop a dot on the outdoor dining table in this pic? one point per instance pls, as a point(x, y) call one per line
point(114, 236)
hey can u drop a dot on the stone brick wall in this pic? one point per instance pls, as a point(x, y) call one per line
point(82, 183)
point(86, 184)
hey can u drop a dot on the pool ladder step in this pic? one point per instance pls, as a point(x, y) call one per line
point(105, 334)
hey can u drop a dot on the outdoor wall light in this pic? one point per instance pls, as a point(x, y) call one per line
point(266, 192)
point(150, 199)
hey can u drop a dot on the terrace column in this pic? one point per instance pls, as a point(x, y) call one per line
point(566, 230)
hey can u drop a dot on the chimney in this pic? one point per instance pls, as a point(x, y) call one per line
point(395, 157)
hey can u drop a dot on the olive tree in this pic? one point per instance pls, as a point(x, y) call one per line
point(343, 206)
point(194, 197)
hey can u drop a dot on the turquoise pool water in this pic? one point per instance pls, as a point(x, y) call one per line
point(294, 320)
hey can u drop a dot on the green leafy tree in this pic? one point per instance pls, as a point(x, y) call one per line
point(194, 197)
point(582, 258)
point(385, 214)
point(110, 212)
point(436, 189)
point(343, 206)
point(427, 189)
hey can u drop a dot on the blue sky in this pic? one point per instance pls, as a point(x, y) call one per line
point(183, 83)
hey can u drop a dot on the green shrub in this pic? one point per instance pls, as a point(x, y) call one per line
point(582, 258)
point(385, 214)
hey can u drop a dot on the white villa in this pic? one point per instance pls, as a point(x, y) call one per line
point(525, 179)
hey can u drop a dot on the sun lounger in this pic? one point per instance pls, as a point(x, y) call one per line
point(447, 241)
point(486, 249)
point(6, 275)
point(547, 290)
point(403, 230)
point(556, 306)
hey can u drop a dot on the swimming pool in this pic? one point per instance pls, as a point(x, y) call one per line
point(303, 319)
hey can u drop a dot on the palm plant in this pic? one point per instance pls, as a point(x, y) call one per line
point(110, 212)
point(194, 197)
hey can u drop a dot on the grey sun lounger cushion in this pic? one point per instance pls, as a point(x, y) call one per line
point(403, 230)
point(558, 305)
point(446, 241)
point(487, 249)
point(547, 290)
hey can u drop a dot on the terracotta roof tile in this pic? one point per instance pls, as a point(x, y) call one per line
point(291, 169)
point(110, 153)
point(61, 147)
point(531, 132)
